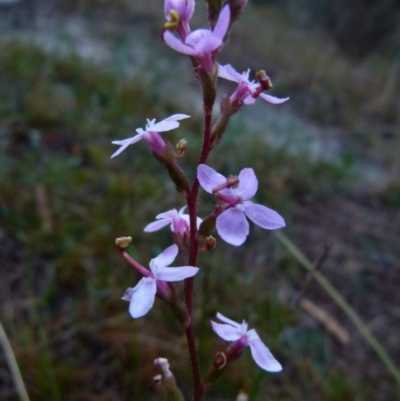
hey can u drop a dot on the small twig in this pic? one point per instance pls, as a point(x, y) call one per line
point(316, 266)
point(13, 365)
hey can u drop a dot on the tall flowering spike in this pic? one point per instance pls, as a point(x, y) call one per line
point(151, 134)
point(203, 44)
point(184, 10)
point(232, 224)
point(241, 338)
point(246, 89)
point(141, 298)
point(179, 222)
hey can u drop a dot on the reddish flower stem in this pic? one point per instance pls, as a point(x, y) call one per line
point(194, 244)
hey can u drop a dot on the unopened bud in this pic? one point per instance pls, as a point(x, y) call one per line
point(210, 242)
point(181, 147)
point(123, 242)
point(207, 225)
point(219, 360)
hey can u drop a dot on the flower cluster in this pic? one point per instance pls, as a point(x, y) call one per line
point(233, 205)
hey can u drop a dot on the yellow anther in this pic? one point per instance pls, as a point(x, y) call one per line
point(173, 20)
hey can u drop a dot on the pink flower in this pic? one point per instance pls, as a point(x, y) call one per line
point(232, 224)
point(185, 9)
point(246, 88)
point(141, 297)
point(202, 44)
point(238, 333)
point(150, 134)
point(179, 222)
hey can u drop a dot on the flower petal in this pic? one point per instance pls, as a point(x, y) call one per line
point(128, 295)
point(209, 178)
point(166, 257)
point(222, 24)
point(249, 100)
point(125, 143)
point(203, 41)
point(156, 225)
point(142, 297)
point(273, 99)
point(176, 44)
point(248, 183)
point(229, 73)
point(224, 319)
point(226, 332)
point(263, 216)
point(176, 273)
point(168, 123)
point(261, 354)
point(177, 117)
point(170, 214)
point(232, 226)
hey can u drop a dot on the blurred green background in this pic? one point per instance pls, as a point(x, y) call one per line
point(77, 74)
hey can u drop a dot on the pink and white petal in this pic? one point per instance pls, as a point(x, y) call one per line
point(229, 73)
point(143, 296)
point(273, 99)
point(181, 210)
point(186, 217)
point(164, 126)
point(225, 331)
point(189, 9)
point(128, 295)
point(166, 257)
point(248, 183)
point(176, 44)
point(176, 273)
point(225, 319)
point(263, 356)
point(207, 44)
point(222, 24)
point(225, 74)
point(156, 225)
point(232, 226)
point(176, 117)
point(170, 214)
point(249, 100)
point(125, 143)
point(179, 226)
point(209, 178)
point(263, 216)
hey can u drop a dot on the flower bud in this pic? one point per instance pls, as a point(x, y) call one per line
point(219, 360)
point(237, 7)
point(181, 147)
point(207, 225)
point(210, 242)
point(174, 394)
point(123, 242)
